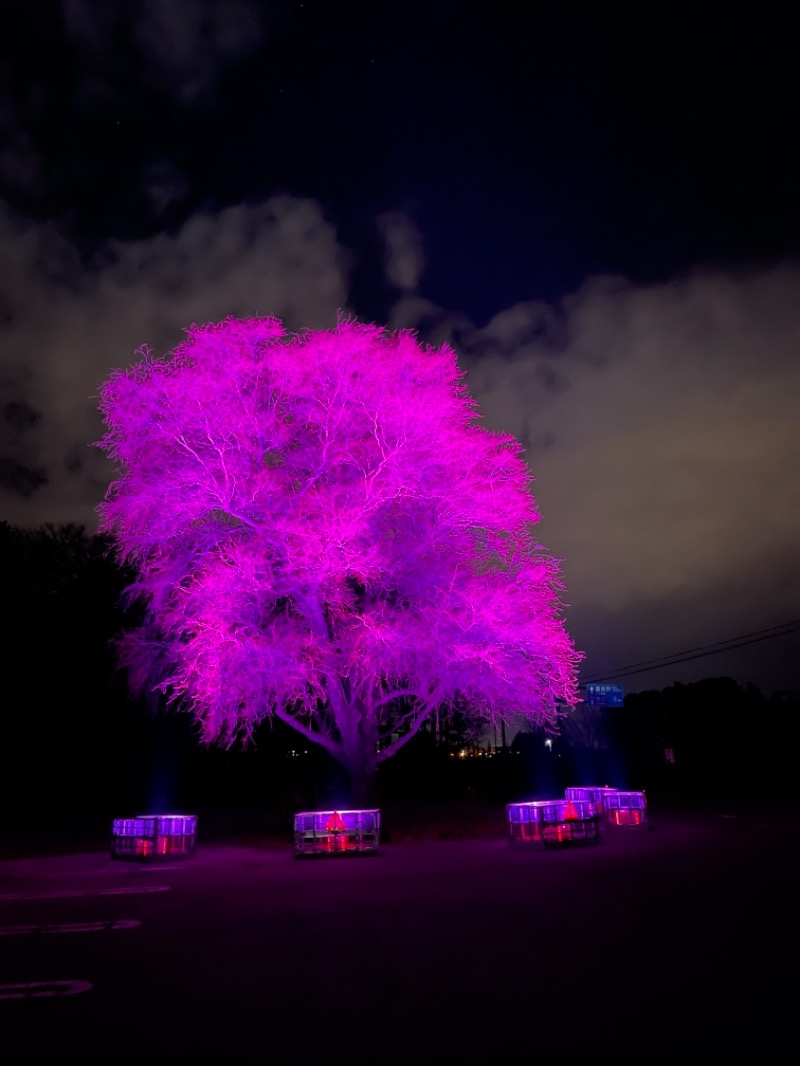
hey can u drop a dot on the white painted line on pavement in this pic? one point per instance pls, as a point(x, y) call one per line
point(159, 869)
point(43, 989)
point(133, 890)
point(70, 927)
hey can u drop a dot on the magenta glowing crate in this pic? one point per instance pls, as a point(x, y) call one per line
point(337, 832)
point(626, 809)
point(553, 823)
point(597, 795)
point(155, 837)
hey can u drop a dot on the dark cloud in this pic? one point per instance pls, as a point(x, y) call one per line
point(179, 49)
point(19, 480)
point(71, 326)
point(19, 416)
point(403, 254)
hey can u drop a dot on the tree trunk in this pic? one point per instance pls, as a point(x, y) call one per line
point(364, 787)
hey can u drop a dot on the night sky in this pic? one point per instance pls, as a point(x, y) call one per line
point(597, 206)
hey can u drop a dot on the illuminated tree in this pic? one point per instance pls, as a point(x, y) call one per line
point(322, 532)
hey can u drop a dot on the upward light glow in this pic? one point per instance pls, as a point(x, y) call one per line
point(323, 532)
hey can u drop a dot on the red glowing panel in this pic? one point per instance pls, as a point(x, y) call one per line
point(626, 817)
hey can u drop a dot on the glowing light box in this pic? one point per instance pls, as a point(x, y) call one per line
point(626, 808)
point(154, 837)
point(553, 823)
point(597, 795)
point(337, 832)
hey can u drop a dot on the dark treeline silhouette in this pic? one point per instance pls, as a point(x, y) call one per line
point(65, 704)
point(706, 740)
point(76, 740)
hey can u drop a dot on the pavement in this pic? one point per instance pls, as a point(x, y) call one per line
point(677, 938)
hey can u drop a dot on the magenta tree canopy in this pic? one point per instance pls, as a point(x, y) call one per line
point(322, 531)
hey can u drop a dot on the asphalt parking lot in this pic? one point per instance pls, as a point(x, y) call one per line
point(679, 938)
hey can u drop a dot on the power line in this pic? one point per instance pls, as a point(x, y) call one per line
point(770, 630)
point(699, 652)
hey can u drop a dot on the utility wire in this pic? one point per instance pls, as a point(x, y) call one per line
point(698, 653)
point(771, 630)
